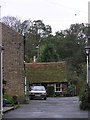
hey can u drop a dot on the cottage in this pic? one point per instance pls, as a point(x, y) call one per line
point(51, 73)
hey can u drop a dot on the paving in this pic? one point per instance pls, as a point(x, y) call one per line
point(64, 107)
point(6, 109)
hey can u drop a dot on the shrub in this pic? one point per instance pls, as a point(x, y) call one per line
point(58, 94)
point(84, 98)
point(71, 89)
point(15, 100)
point(26, 100)
point(9, 100)
point(4, 81)
point(50, 91)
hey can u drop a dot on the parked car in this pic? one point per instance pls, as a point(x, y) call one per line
point(37, 92)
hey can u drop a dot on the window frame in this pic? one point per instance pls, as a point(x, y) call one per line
point(60, 87)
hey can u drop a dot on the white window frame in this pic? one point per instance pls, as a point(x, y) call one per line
point(55, 86)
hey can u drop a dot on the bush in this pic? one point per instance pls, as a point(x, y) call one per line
point(84, 98)
point(50, 91)
point(26, 100)
point(58, 94)
point(9, 100)
point(15, 100)
point(71, 90)
point(4, 82)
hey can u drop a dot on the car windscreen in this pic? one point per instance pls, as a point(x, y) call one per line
point(38, 88)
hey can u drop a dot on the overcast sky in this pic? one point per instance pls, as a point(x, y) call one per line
point(60, 14)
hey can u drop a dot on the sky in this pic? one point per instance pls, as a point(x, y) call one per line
point(59, 14)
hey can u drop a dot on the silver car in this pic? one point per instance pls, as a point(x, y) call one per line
point(38, 92)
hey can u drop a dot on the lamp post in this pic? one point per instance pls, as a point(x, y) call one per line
point(25, 82)
point(87, 54)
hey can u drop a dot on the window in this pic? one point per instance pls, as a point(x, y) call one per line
point(58, 87)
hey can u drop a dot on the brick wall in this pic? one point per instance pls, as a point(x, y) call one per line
point(64, 90)
point(13, 62)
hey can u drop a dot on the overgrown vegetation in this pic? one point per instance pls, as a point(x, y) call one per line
point(26, 99)
point(50, 91)
point(84, 98)
point(59, 94)
point(48, 54)
point(15, 100)
point(71, 90)
point(8, 100)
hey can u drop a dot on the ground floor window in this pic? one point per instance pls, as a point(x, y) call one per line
point(58, 87)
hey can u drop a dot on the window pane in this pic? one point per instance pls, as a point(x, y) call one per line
point(58, 87)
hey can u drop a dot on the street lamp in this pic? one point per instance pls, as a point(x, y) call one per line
point(25, 82)
point(87, 53)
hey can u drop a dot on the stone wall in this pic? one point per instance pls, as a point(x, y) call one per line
point(0, 34)
point(13, 62)
point(89, 40)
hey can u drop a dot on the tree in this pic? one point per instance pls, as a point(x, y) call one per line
point(48, 54)
point(25, 27)
point(12, 22)
point(37, 34)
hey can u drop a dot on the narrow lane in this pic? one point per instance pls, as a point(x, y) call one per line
point(65, 107)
